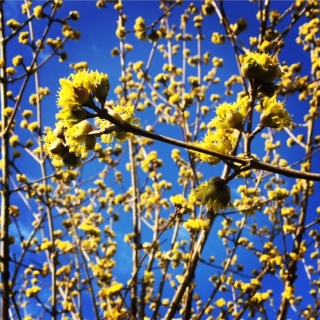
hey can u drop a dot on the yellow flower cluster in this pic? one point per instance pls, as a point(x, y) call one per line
point(76, 91)
point(114, 289)
point(278, 194)
point(260, 66)
point(223, 139)
point(214, 193)
point(121, 113)
point(274, 114)
point(140, 29)
point(67, 145)
point(288, 292)
point(196, 225)
point(31, 292)
point(70, 140)
point(230, 116)
point(217, 38)
point(181, 202)
point(219, 140)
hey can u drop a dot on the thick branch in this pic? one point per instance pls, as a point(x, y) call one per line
point(249, 162)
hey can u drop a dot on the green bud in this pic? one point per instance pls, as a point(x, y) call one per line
point(79, 113)
point(234, 119)
point(71, 159)
point(58, 132)
point(58, 148)
point(100, 89)
point(90, 142)
point(120, 134)
point(268, 89)
point(222, 195)
point(212, 160)
point(217, 192)
point(268, 120)
point(250, 71)
point(83, 127)
point(82, 95)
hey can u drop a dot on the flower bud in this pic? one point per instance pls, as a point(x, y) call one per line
point(120, 134)
point(79, 113)
point(213, 193)
point(115, 114)
point(260, 66)
point(221, 196)
point(269, 120)
point(83, 127)
point(212, 160)
point(101, 88)
point(226, 145)
point(90, 142)
point(82, 95)
point(58, 132)
point(250, 70)
point(268, 89)
point(234, 119)
point(71, 159)
point(58, 148)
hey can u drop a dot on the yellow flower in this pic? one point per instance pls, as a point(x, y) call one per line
point(260, 66)
point(31, 292)
point(213, 193)
point(196, 225)
point(74, 15)
point(17, 60)
point(13, 24)
point(23, 37)
point(80, 65)
point(64, 246)
point(220, 303)
point(38, 13)
point(230, 115)
point(288, 292)
point(75, 92)
point(10, 71)
point(218, 38)
point(122, 113)
point(140, 29)
point(278, 194)
point(68, 32)
point(219, 140)
point(71, 96)
point(178, 200)
point(114, 289)
point(100, 85)
point(165, 302)
point(175, 98)
point(274, 114)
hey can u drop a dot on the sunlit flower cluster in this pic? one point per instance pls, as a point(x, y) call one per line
point(260, 66)
point(196, 224)
point(214, 193)
point(120, 113)
point(219, 140)
point(274, 114)
point(230, 116)
point(76, 90)
point(71, 140)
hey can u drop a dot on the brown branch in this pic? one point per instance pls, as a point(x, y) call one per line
point(5, 193)
point(250, 163)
